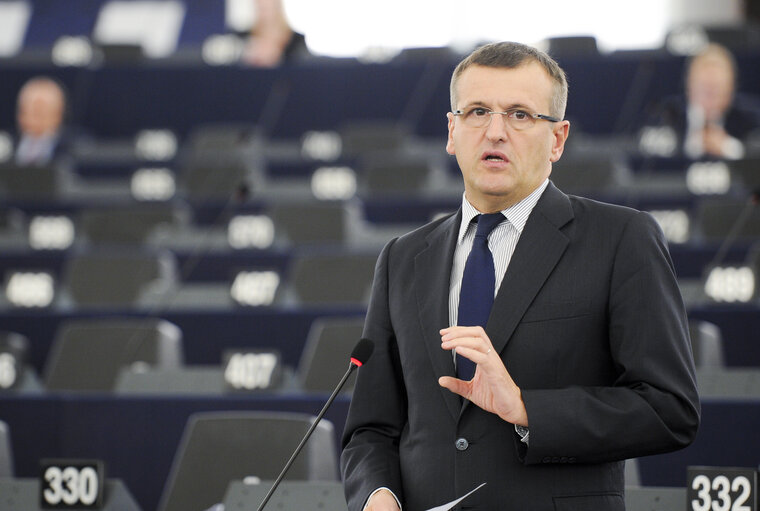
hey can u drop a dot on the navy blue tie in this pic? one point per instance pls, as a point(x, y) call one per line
point(478, 282)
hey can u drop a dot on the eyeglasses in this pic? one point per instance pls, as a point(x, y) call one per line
point(517, 119)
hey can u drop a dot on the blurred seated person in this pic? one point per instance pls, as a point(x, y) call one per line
point(39, 116)
point(272, 40)
point(712, 120)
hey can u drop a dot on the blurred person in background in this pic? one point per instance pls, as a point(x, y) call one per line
point(711, 120)
point(272, 40)
point(40, 113)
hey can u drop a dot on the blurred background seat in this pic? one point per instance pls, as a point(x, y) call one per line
point(214, 163)
point(363, 137)
point(103, 279)
point(585, 174)
point(746, 173)
point(23, 494)
point(88, 354)
point(327, 352)
point(295, 495)
point(648, 498)
point(218, 141)
point(631, 473)
point(309, 222)
point(186, 380)
point(220, 447)
point(13, 228)
point(6, 452)
point(127, 225)
point(729, 383)
point(385, 173)
point(706, 344)
point(29, 182)
point(329, 279)
point(572, 46)
point(221, 181)
point(16, 372)
point(717, 217)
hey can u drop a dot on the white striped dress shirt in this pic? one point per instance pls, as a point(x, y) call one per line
point(501, 242)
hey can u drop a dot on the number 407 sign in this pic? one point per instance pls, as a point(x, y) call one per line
point(721, 489)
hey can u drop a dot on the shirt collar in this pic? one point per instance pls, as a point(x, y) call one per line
point(517, 214)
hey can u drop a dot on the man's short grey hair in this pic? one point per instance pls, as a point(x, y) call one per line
point(512, 55)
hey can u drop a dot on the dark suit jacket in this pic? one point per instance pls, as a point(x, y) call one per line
point(61, 148)
point(589, 322)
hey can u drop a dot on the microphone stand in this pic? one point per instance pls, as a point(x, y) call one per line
point(313, 426)
point(736, 228)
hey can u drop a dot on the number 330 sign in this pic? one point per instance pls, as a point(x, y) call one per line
point(71, 484)
point(721, 489)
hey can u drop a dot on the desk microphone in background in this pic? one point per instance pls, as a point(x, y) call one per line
point(361, 353)
point(751, 202)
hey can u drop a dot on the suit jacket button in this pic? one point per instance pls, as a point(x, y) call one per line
point(462, 444)
point(563, 459)
point(546, 460)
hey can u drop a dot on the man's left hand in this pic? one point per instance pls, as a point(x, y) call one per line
point(492, 388)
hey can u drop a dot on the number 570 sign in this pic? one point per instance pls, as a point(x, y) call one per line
point(721, 489)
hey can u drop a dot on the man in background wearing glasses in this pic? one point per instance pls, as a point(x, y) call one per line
point(581, 358)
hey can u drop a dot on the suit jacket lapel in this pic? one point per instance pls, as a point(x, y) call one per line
point(540, 248)
point(431, 282)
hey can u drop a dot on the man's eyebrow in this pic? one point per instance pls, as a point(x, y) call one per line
point(481, 104)
point(476, 104)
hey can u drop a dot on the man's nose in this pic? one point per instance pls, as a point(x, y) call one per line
point(497, 127)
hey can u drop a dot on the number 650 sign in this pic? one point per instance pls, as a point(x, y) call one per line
point(721, 489)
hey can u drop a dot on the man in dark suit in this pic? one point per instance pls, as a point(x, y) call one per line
point(584, 360)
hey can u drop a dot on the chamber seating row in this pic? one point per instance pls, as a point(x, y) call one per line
point(65, 427)
point(610, 94)
point(132, 353)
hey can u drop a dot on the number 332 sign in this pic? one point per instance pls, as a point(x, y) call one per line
point(721, 489)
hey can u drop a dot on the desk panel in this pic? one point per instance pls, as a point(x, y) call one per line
point(135, 437)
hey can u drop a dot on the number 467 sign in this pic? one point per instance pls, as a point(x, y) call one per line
point(721, 489)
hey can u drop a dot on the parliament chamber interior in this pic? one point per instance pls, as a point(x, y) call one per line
point(182, 288)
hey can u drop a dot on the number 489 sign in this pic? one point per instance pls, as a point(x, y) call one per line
point(721, 489)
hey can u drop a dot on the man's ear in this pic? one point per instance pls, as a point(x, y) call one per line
point(450, 140)
point(561, 133)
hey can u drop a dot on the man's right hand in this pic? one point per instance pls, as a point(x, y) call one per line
point(383, 500)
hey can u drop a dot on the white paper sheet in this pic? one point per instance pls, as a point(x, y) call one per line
point(449, 505)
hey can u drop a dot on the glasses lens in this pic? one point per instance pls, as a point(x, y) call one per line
point(479, 117)
point(476, 117)
point(520, 119)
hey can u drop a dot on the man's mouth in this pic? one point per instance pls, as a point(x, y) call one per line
point(494, 156)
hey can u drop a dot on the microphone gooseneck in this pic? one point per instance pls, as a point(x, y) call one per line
point(360, 354)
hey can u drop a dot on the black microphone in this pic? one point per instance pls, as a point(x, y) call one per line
point(361, 353)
